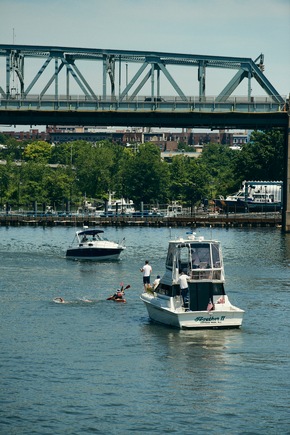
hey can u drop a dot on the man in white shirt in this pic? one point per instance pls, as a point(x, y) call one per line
point(147, 270)
point(184, 287)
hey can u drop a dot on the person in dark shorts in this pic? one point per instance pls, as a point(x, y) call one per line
point(147, 270)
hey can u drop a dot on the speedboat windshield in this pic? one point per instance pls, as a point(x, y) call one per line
point(90, 235)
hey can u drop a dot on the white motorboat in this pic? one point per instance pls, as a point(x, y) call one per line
point(174, 210)
point(207, 305)
point(88, 244)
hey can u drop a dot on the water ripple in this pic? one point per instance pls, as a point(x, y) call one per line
point(104, 368)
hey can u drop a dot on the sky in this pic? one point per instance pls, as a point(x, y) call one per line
point(239, 28)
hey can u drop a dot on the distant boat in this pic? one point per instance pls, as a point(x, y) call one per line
point(88, 244)
point(119, 206)
point(112, 207)
point(206, 305)
point(174, 210)
point(255, 196)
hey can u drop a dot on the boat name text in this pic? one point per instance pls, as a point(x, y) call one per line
point(210, 319)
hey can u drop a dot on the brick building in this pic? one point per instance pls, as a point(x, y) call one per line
point(166, 140)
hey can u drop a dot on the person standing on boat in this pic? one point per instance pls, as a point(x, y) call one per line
point(147, 270)
point(183, 278)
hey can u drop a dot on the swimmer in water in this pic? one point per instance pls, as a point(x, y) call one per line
point(60, 300)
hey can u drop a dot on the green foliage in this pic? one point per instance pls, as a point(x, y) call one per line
point(3, 138)
point(219, 162)
point(262, 158)
point(95, 169)
point(62, 153)
point(57, 186)
point(92, 170)
point(30, 179)
point(189, 180)
point(39, 151)
point(14, 149)
point(147, 178)
point(182, 146)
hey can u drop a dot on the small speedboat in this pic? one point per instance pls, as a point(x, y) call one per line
point(88, 244)
point(206, 304)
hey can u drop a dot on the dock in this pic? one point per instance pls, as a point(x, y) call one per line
point(246, 220)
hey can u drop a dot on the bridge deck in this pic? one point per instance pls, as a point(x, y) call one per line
point(236, 112)
point(166, 104)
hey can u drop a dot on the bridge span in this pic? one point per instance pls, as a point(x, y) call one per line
point(106, 72)
point(42, 85)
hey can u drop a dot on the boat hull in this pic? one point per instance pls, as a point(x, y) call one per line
point(230, 317)
point(93, 254)
point(250, 206)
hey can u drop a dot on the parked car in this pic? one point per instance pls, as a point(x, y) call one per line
point(154, 100)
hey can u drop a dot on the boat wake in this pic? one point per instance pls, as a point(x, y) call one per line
point(79, 301)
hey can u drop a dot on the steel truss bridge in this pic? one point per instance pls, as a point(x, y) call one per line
point(108, 95)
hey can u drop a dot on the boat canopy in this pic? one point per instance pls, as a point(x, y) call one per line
point(191, 255)
point(89, 232)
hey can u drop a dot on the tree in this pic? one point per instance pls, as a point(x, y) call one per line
point(63, 153)
point(199, 181)
point(94, 169)
point(32, 176)
point(14, 149)
point(39, 151)
point(5, 182)
point(147, 177)
point(179, 177)
point(57, 186)
point(3, 138)
point(220, 163)
point(262, 158)
point(189, 180)
point(122, 161)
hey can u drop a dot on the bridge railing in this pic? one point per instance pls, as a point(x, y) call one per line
point(143, 103)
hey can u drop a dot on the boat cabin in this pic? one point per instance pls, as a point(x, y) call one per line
point(174, 210)
point(198, 259)
point(202, 261)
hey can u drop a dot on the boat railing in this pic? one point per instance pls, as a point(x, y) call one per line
point(206, 273)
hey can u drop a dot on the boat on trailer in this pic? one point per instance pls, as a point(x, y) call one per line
point(89, 244)
point(207, 305)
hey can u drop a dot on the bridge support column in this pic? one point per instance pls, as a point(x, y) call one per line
point(286, 181)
